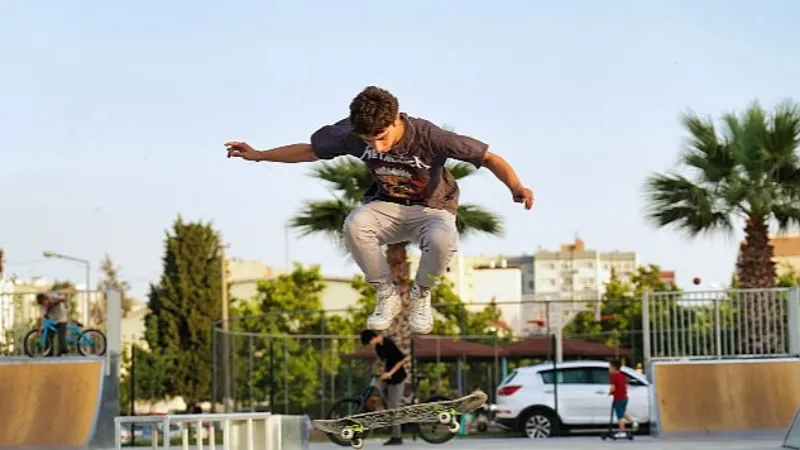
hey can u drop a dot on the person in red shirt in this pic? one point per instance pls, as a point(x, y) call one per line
point(619, 392)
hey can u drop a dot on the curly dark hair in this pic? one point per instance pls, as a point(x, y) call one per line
point(372, 111)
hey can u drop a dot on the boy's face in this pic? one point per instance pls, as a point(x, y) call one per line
point(386, 138)
point(611, 368)
point(375, 341)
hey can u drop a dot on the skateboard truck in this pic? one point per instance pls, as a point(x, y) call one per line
point(448, 417)
point(353, 434)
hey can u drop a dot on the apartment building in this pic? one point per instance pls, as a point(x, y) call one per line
point(786, 252)
point(244, 275)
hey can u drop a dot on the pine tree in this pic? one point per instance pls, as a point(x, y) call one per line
point(183, 306)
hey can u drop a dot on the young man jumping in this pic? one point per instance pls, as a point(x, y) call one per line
point(413, 197)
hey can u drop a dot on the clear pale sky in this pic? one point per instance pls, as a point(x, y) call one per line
point(114, 114)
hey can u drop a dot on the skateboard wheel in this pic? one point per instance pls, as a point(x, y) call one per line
point(445, 417)
point(347, 434)
point(454, 427)
point(357, 444)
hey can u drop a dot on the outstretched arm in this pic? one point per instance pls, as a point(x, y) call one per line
point(505, 173)
point(293, 153)
point(328, 142)
point(502, 170)
point(475, 152)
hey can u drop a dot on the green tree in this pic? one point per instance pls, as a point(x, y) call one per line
point(297, 343)
point(620, 323)
point(182, 307)
point(789, 277)
point(750, 171)
point(110, 281)
point(350, 179)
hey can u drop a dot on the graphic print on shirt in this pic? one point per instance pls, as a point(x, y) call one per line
point(398, 177)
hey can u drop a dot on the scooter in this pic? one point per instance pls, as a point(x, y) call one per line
point(612, 433)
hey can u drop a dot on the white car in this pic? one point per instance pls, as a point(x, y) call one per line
point(526, 398)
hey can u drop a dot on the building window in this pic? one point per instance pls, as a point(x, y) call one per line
point(530, 284)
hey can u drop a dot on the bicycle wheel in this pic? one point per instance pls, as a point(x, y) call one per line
point(435, 433)
point(33, 344)
point(342, 408)
point(92, 342)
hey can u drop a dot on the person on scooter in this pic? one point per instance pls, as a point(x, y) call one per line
point(54, 307)
point(619, 392)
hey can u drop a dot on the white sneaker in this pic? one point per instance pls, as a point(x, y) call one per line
point(635, 426)
point(387, 306)
point(620, 434)
point(420, 318)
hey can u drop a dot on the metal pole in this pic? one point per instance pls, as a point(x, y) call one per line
point(133, 392)
point(250, 373)
point(88, 304)
point(226, 352)
point(646, 332)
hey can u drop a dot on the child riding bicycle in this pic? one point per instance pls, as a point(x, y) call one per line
point(53, 307)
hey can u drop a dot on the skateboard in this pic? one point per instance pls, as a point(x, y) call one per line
point(351, 428)
point(611, 433)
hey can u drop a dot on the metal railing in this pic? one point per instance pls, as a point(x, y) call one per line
point(261, 430)
point(732, 323)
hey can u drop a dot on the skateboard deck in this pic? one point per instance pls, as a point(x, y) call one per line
point(443, 412)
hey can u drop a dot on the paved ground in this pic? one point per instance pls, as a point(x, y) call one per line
point(570, 443)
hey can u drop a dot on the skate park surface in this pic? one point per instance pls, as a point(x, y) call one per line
point(574, 443)
point(49, 401)
point(699, 397)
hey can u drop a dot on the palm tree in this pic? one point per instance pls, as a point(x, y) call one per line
point(747, 173)
point(350, 178)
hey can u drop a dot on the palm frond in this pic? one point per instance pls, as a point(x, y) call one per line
point(706, 152)
point(349, 176)
point(787, 215)
point(674, 200)
point(473, 219)
point(460, 169)
point(322, 217)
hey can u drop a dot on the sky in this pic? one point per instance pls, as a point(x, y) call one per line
point(114, 115)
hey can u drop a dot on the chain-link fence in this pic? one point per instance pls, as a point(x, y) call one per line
point(19, 314)
point(300, 363)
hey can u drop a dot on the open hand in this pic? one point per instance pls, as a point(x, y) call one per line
point(523, 195)
point(242, 150)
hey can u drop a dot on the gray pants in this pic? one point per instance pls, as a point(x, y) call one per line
point(379, 223)
point(394, 397)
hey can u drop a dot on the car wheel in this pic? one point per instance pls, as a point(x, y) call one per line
point(540, 424)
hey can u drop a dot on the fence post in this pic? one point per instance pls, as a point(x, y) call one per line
point(717, 328)
point(646, 328)
point(793, 324)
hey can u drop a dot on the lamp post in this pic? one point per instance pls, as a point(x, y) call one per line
point(54, 255)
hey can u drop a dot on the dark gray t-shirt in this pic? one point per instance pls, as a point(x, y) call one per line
point(413, 170)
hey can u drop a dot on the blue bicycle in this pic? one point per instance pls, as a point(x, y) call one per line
point(40, 341)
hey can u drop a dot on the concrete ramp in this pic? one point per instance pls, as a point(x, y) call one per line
point(49, 401)
point(726, 396)
point(792, 439)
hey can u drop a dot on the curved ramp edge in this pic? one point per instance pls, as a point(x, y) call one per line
point(792, 439)
point(49, 401)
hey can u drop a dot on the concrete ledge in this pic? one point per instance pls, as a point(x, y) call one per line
point(282, 433)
